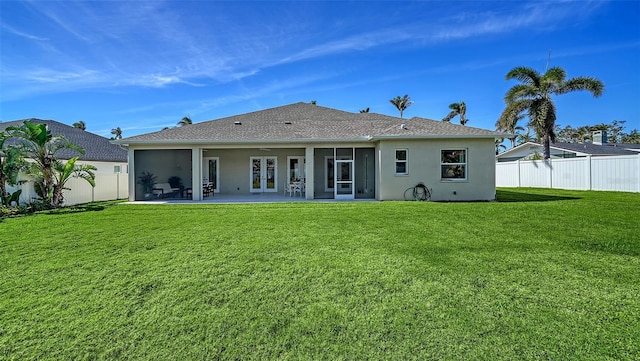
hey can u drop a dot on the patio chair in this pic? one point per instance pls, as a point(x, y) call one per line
point(287, 188)
point(208, 189)
point(298, 187)
point(162, 190)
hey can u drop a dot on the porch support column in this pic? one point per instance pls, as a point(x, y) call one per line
point(308, 172)
point(196, 173)
point(131, 176)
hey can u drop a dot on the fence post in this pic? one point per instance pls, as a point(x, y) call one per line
point(588, 167)
point(638, 180)
point(518, 173)
point(547, 162)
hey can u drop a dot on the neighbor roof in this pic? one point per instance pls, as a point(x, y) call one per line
point(307, 122)
point(598, 149)
point(581, 149)
point(97, 148)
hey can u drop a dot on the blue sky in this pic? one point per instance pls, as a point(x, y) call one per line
point(144, 65)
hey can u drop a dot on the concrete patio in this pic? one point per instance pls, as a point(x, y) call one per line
point(243, 198)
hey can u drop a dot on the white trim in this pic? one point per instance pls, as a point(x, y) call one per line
point(360, 139)
point(405, 161)
point(205, 173)
point(263, 172)
point(336, 168)
point(465, 164)
point(329, 187)
point(301, 164)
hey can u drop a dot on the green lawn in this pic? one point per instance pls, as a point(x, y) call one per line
point(541, 274)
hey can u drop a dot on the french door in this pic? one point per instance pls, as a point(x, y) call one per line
point(263, 174)
point(210, 172)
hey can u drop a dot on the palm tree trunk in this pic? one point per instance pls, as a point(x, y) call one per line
point(546, 144)
point(3, 188)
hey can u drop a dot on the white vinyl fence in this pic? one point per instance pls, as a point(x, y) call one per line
point(619, 173)
point(109, 186)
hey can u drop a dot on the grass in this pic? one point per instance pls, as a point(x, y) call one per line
point(541, 274)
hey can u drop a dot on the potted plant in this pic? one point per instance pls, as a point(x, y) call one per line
point(147, 180)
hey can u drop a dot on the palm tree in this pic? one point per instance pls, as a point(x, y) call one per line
point(525, 137)
point(80, 125)
point(117, 133)
point(499, 146)
point(11, 162)
point(401, 103)
point(632, 138)
point(37, 142)
point(185, 121)
point(510, 125)
point(457, 109)
point(65, 171)
point(533, 96)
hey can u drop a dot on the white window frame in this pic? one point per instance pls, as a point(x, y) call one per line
point(405, 161)
point(465, 164)
point(205, 177)
point(301, 165)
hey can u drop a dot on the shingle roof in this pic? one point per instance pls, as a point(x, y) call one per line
point(597, 149)
point(584, 148)
point(97, 148)
point(307, 122)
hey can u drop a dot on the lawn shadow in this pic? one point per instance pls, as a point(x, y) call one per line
point(79, 208)
point(512, 196)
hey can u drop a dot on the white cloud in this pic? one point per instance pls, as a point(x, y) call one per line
point(21, 33)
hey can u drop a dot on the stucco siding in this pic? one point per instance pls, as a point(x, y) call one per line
point(235, 166)
point(106, 167)
point(423, 161)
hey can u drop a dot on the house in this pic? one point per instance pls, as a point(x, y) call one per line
point(99, 151)
point(333, 154)
point(598, 148)
point(109, 159)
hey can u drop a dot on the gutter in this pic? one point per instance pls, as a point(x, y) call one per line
point(443, 136)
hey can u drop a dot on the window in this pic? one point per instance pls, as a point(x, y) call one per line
point(401, 162)
point(295, 168)
point(453, 164)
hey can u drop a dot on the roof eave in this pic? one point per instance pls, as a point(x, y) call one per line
point(124, 142)
point(440, 136)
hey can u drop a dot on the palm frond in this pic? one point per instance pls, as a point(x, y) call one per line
point(450, 116)
point(590, 84)
point(512, 114)
point(520, 91)
point(524, 74)
point(555, 74)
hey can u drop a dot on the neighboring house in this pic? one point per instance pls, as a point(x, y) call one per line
point(99, 151)
point(598, 148)
point(334, 154)
point(579, 166)
point(109, 159)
